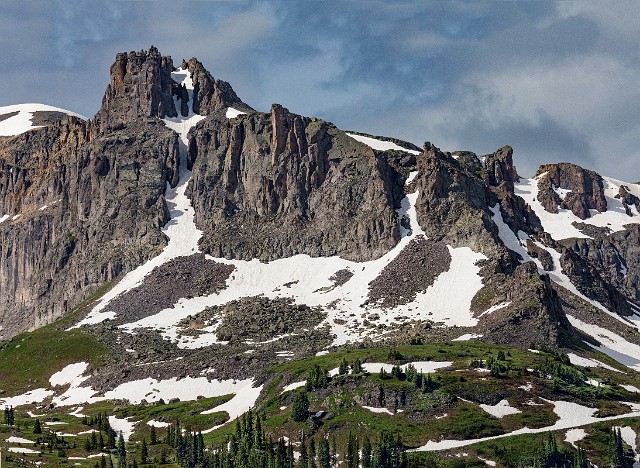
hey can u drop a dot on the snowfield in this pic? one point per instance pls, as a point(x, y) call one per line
point(448, 300)
point(21, 122)
point(501, 409)
point(559, 225)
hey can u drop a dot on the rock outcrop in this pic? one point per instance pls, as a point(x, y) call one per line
point(570, 187)
point(273, 185)
point(209, 94)
point(140, 85)
point(534, 315)
point(499, 167)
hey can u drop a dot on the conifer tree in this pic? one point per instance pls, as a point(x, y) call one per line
point(366, 453)
point(312, 453)
point(153, 437)
point(344, 367)
point(37, 428)
point(121, 452)
point(303, 461)
point(324, 454)
point(144, 452)
point(300, 407)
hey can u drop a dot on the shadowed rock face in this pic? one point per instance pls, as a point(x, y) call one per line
point(586, 189)
point(273, 185)
point(453, 205)
point(499, 167)
point(91, 206)
point(534, 316)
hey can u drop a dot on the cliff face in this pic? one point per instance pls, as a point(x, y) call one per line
point(89, 206)
point(85, 200)
point(273, 185)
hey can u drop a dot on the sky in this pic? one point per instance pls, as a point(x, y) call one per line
point(558, 81)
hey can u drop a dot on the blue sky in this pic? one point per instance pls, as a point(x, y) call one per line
point(557, 81)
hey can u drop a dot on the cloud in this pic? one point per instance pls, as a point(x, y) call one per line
point(554, 80)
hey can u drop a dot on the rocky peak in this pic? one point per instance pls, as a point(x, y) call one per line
point(500, 168)
point(570, 187)
point(628, 199)
point(140, 85)
point(209, 94)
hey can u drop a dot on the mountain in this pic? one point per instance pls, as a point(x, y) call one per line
point(222, 251)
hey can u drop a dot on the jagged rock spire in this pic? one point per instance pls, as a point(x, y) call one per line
point(140, 85)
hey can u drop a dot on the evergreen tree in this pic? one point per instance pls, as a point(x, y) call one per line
point(121, 452)
point(343, 369)
point(357, 367)
point(411, 373)
point(153, 438)
point(37, 428)
point(324, 454)
point(300, 407)
point(303, 461)
point(9, 417)
point(103, 462)
point(366, 453)
point(144, 452)
point(312, 453)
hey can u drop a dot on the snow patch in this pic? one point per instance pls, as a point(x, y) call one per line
point(571, 415)
point(19, 440)
point(70, 374)
point(631, 388)
point(21, 122)
point(293, 386)
point(381, 145)
point(501, 409)
point(559, 225)
point(467, 337)
point(30, 397)
point(380, 410)
point(586, 362)
point(122, 425)
point(612, 345)
point(22, 450)
point(574, 435)
point(233, 113)
point(155, 423)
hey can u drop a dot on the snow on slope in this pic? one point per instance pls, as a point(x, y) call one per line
point(559, 225)
point(448, 300)
point(515, 244)
point(612, 345)
point(21, 122)
point(586, 362)
point(381, 145)
point(500, 409)
point(570, 415)
point(180, 229)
